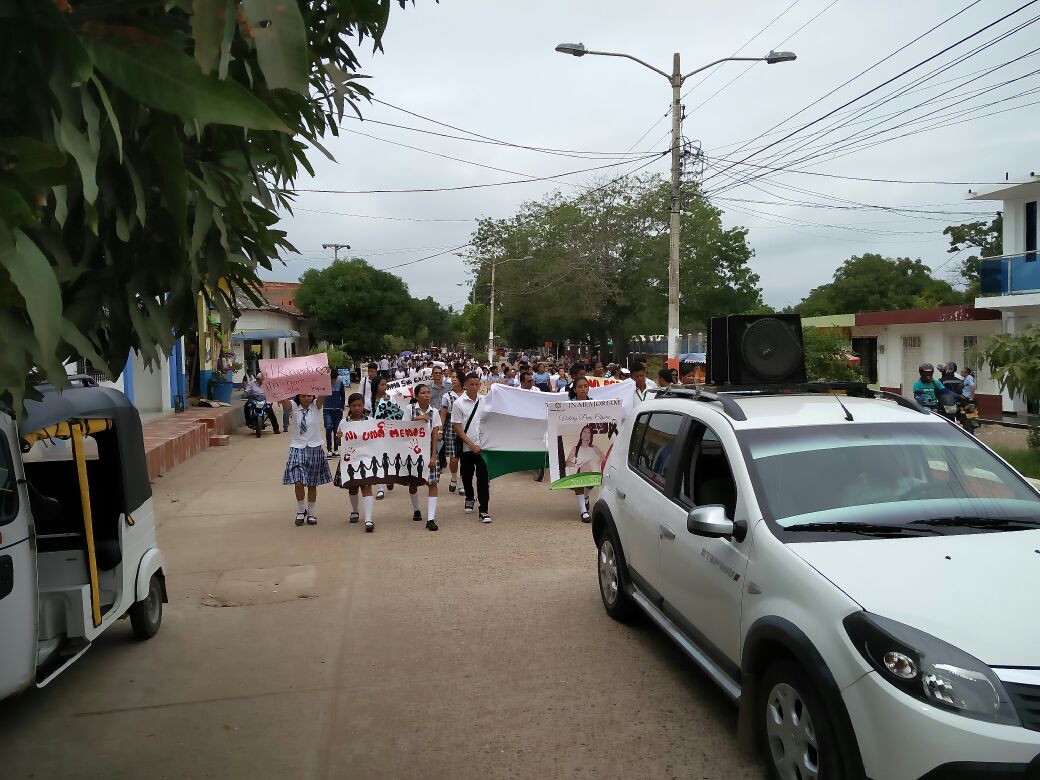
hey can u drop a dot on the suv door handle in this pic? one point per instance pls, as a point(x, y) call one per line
point(620, 493)
point(667, 533)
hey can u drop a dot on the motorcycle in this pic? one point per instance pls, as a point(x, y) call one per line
point(256, 414)
point(967, 415)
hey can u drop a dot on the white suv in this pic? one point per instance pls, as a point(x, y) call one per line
point(861, 576)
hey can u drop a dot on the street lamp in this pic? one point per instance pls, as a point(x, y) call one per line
point(676, 78)
point(491, 313)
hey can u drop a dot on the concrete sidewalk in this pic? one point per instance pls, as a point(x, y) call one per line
point(324, 652)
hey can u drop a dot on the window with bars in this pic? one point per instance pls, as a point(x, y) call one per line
point(911, 342)
point(970, 342)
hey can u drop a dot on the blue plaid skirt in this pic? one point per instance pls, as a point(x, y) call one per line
point(307, 465)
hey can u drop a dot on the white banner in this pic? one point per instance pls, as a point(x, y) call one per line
point(384, 452)
point(401, 391)
point(580, 433)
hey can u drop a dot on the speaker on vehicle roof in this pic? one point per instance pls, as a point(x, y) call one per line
point(755, 349)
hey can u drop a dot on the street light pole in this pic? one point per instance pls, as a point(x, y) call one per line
point(676, 78)
point(335, 249)
point(491, 317)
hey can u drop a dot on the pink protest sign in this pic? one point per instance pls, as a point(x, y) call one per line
point(286, 377)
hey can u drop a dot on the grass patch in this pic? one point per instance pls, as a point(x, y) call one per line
point(1026, 461)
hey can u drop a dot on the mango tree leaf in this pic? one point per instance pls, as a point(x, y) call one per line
point(14, 211)
point(24, 155)
point(61, 204)
point(92, 114)
point(31, 273)
point(77, 144)
point(208, 22)
point(83, 346)
point(165, 149)
point(230, 25)
point(163, 77)
point(113, 121)
point(135, 181)
point(281, 42)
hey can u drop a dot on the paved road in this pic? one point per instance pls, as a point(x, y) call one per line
point(322, 652)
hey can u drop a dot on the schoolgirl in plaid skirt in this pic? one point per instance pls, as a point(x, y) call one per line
point(306, 466)
point(451, 446)
point(422, 410)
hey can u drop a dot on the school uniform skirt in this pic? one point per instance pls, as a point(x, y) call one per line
point(450, 441)
point(307, 465)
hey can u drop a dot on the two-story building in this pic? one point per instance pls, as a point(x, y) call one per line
point(1011, 283)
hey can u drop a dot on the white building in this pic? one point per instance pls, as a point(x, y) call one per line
point(275, 329)
point(1011, 283)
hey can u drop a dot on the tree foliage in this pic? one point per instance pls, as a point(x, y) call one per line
point(144, 150)
point(368, 311)
point(827, 354)
point(1013, 361)
point(875, 283)
point(597, 265)
point(987, 237)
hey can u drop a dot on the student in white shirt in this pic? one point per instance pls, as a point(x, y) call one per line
point(422, 410)
point(451, 442)
point(367, 385)
point(465, 418)
point(643, 385)
point(356, 413)
point(306, 465)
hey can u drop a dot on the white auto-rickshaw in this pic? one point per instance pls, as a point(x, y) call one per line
point(77, 533)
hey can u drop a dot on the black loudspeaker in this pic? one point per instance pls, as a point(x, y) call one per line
point(755, 349)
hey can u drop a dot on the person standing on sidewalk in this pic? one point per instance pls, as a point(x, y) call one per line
point(424, 410)
point(306, 466)
point(332, 411)
point(356, 413)
point(465, 419)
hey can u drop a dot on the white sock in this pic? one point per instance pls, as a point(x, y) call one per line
point(310, 508)
point(415, 501)
point(431, 507)
point(301, 506)
point(581, 503)
point(354, 501)
point(369, 503)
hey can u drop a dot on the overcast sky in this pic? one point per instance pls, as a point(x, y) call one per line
point(490, 68)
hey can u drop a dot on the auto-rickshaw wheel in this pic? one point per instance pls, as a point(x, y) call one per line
point(146, 615)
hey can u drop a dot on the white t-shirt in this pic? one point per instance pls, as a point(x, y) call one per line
point(384, 365)
point(365, 388)
point(314, 436)
point(642, 395)
point(460, 414)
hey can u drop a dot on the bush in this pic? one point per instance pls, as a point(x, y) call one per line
point(1033, 438)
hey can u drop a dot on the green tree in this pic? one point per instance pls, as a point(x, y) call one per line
point(1013, 361)
point(145, 148)
point(875, 283)
point(987, 237)
point(472, 326)
point(827, 356)
point(353, 304)
point(599, 265)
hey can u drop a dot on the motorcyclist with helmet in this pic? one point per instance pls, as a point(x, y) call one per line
point(927, 389)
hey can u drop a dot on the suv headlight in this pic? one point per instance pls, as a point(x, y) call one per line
point(929, 669)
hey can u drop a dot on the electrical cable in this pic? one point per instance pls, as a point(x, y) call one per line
point(376, 216)
point(651, 158)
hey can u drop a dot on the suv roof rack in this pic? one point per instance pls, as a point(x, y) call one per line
point(724, 394)
point(694, 393)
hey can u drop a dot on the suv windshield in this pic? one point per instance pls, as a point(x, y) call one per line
point(882, 473)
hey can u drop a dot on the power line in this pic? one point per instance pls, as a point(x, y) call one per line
point(855, 178)
point(377, 216)
point(858, 75)
point(464, 186)
point(583, 155)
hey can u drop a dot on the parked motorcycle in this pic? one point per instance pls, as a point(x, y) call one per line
point(256, 414)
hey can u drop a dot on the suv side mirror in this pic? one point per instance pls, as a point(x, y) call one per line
point(710, 521)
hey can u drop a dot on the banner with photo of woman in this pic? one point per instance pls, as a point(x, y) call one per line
point(580, 433)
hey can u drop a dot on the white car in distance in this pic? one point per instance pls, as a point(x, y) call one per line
point(860, 576)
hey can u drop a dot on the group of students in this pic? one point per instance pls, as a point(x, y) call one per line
point(451, 408)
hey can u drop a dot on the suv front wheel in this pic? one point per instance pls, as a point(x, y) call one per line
point(610, 564)
point(797, 737)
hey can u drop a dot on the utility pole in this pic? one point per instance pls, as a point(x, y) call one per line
point(676, 218)
point(335, 249)
point(491, 317)
point(676, 78)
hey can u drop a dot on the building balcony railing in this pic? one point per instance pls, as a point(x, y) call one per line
point(1010, 274)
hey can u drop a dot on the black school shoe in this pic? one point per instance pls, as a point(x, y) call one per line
point(431, 526)
point(354, 517)
point(417, 516)
point(301, 517)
